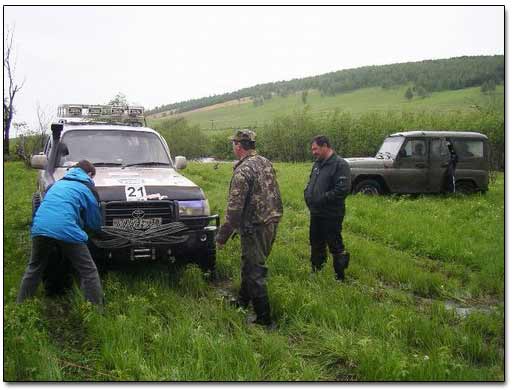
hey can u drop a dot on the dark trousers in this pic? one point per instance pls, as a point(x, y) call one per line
point(325, 232)
point(78, 254)
point(256, 247)
point(451, 177)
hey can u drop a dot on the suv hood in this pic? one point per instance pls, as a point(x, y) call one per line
point(366, 162)
point(110, 182)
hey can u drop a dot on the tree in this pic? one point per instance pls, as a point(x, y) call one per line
point(422, 92)
point(409, 94)
point(488, 86)
point(10, 85)
point(304, 96)
point(119, 100)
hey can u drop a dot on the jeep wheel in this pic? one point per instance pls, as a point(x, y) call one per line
point(369, 187)
point(36, 201)
point(58, 275)
point(465, 187)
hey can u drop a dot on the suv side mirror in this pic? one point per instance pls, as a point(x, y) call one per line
point(39, 161)
point(180, 162)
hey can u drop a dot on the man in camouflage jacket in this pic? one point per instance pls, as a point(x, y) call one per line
point(254, 211)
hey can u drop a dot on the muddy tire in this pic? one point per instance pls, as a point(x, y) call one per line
point(36, 202)
point(58, 275)
point(369, 187)
point(465, 187)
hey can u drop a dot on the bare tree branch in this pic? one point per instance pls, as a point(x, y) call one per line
point(12, 86)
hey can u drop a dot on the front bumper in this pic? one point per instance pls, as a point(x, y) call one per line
point(200, 232)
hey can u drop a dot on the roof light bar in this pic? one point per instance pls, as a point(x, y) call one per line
point(128, 114)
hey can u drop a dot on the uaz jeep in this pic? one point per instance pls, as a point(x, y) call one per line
point(417, 162)
point(150, 212)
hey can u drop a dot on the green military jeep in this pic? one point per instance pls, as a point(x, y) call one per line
point(415, 162)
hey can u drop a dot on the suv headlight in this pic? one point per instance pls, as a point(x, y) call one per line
point(193, 208)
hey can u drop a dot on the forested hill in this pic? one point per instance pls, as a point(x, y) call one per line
point(426, 76)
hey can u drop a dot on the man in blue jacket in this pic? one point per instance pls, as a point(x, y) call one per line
point(325, 194)
point(70, 205)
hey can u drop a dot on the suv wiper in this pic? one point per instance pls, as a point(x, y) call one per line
point(106, 164)
point(144, 163)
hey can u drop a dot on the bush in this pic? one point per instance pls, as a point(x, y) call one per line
point(184, 139)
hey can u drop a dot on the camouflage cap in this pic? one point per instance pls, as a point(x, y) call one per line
point(243, 135)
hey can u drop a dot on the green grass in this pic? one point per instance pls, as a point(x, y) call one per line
point(356, 102)
point(410, 257)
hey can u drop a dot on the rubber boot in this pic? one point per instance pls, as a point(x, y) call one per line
point(340, 263)
point(263, 312)
point(242, 300)
point(317, 257)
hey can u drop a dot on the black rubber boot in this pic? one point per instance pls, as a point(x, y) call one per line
point(340, 263)
point(317, 257)
point(263, 312)
point(242, 300)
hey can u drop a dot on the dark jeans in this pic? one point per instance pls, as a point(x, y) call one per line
point(256, 247)
point(325, 232)
point(77, 254)
point(451, 177)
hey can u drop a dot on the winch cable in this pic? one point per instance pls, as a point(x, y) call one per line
point(115, 237)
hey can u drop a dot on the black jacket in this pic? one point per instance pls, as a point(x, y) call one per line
point(329, 184)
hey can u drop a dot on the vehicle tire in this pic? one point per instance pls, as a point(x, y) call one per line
point(36, 202)
point(465, 187)
point(369, 187)
point(58, 275)
point(206, 260)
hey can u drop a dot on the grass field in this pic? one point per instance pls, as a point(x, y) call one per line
point(357, 102)
point(423, 300)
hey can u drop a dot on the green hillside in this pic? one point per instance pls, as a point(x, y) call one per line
point(357, 102)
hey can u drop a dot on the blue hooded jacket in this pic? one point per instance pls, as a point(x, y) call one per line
point(67, 208)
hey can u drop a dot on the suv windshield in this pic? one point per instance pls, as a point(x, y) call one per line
point(113, 147)
point(390, 147)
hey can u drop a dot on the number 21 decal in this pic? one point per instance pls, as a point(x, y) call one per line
point(135, 192)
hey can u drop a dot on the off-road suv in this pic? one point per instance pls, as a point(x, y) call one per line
point(417, 162)
point(150, 212)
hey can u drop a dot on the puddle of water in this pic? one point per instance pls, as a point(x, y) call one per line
point(465, 311)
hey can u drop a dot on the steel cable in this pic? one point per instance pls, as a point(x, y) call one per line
point(166, 234)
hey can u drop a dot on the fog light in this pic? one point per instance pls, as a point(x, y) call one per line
point(203, 238)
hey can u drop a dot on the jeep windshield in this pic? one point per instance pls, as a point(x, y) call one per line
point(114, 148)
point(390, 148)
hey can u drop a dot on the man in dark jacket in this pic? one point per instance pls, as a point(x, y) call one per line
point(451, 167)
point(254, 211)
point(325, 193)
point(69, 206)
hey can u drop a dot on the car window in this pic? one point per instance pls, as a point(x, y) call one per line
point(439, 149)
point(468, 148)
point(390, 147)
point(414, 148)
point(435, 148)
point(113, 146)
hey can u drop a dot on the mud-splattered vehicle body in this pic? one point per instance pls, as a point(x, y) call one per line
point(416, 162)
point(150, 212)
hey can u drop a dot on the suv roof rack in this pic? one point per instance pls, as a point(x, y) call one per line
point(108, 114)
point(70, 121)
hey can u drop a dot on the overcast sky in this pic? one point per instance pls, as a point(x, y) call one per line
point(161, 55)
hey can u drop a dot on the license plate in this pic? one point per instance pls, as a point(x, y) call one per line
point(136, 223)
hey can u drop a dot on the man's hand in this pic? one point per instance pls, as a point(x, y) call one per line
point(219, 245)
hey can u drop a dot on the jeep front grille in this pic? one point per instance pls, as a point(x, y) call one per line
point(164, 209)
